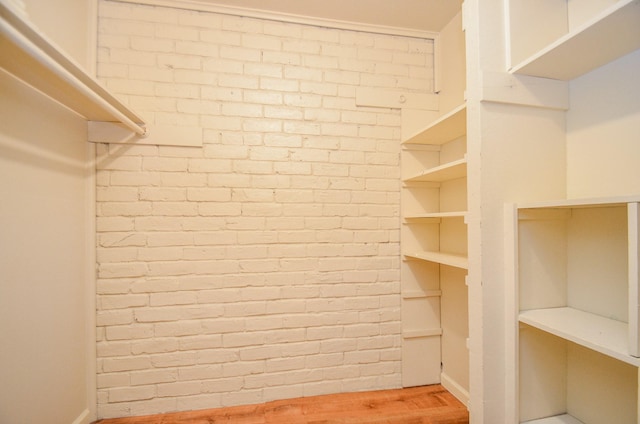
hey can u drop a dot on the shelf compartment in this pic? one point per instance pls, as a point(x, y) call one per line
point(448, 127)
point(601, 334)
point(448, 171)
point(613, 33)
point(457, 261)
point(559, 378)
point(582, 256)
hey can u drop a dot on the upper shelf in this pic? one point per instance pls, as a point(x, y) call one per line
point(446, 128)
point(611, 34)
point(31, 57)
point(451, 259)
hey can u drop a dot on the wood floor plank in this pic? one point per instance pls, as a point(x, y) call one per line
point(416, 405)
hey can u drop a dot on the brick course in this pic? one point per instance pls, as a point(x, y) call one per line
point(265, 264)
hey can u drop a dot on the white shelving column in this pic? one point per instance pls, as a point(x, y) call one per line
point(434, 236)
point(577, 289)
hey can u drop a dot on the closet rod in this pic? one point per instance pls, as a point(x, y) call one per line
point(31, 42)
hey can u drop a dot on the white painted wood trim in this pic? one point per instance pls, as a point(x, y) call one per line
point(204, 6)
point(633, 216)
point(90, 286)
point(511, 311)
point(503, 87)
point(437, 61)
point(583, 202)
point(604, 335)
point(454, 388)
point(83, 418)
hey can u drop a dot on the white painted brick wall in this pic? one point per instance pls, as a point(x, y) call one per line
point(264, 265)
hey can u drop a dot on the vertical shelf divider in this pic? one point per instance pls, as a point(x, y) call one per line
point(633, 214)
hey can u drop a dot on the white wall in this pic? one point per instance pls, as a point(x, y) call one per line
point(69, 23)
point(265, 264)
point(45, 251)
point(603, 131)
point(43, 314)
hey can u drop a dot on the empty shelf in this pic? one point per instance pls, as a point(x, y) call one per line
point(448, 127)
point(604, 335)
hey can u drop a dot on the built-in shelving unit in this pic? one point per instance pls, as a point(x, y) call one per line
point(577, 290)
point(433, 234)
point(604, 30)
point(573, 344)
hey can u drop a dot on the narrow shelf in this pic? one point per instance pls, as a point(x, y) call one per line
point(604, 335)
point(581, 202)
point(445, 172)
point(458, 261)
point(435, 216)
point(558, 419)
point(610, 35)
point(446, 128)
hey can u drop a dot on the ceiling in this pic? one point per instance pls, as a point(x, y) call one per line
point(422, 15)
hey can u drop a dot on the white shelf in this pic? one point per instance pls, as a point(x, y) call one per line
point(608, 36)
point(31, 57)
point(445, 172)
point(435, 217)
point(558, 419)
point(457, 261)
point(448, 127)
point(607, 336)
point(580, 203)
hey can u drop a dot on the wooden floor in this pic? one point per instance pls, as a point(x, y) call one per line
point(417, 405)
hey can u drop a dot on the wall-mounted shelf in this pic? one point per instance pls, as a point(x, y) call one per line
point(609, 34)
point(448, 127)
point(448, 171)
point(457, 261)
point(604, 335)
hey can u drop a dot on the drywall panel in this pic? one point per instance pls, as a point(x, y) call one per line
point(43, 260)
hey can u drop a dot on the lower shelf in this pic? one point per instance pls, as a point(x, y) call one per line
point(607, 336)
point(558, 419)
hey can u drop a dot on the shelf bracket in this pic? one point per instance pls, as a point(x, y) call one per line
point(118, 133)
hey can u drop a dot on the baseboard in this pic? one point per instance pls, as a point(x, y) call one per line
point(83, 418)
point(454, 388)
